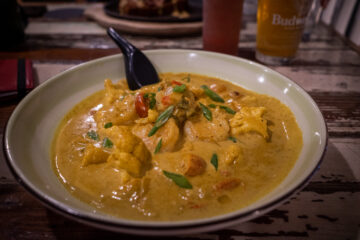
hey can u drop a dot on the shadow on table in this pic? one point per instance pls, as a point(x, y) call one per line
point(325, 209)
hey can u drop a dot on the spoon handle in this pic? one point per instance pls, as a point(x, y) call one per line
point(138, 68)
point(126, 47)
point(128, 51)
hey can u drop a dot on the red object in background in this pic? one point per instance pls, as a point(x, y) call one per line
point(221, 25)
point(16, 78)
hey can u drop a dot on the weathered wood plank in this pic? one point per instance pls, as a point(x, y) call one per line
point(327, 57)
point(306, 215)
point(60, 54)
point(341, 111)
point(64, 28)
point(326, 79)
point(93, 41)
point(249, 41)
point(90, 40)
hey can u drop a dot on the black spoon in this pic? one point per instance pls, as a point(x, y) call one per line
point(139, 69)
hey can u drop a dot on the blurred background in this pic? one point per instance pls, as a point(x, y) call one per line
point(29, 17)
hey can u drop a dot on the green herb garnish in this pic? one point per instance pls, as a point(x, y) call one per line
point(214, 161)
point(152, 100)
point(233, 139)
point(149, 94)
point(178, 179)
point(161, 120)
point(206, 111)
point(152, 103)
point(212, 105)
point(227, 109)
point(213, 95)
point(187, 78)
point(108, 125)
point(107, 143)
point(158, 146)
point(179, 89)
point(93, 135)
point(159, 89)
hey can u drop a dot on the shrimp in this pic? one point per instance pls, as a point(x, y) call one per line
point(199, 128)
point(169, 133)
point(121, 112)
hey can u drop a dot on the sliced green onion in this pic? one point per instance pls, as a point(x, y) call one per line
point(158, 146)
point(107, 143)
point(152, 100)
point(187, 78)
point(179, 89)
point(212, 105)
point(93, 135)
point(108, 125)
point(147, 95)
point(213, 95)
point(227, 109)
point(153, 131)
point(214, 161)
point(161, 120)
point(178, 179)
point(152, 103)
point(206, 111)
point(233, 139)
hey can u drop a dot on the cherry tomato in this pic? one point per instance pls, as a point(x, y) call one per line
point(166, 100)
point(140, 105)
point(176, 82)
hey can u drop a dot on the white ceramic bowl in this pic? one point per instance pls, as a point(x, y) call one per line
point(31, 127)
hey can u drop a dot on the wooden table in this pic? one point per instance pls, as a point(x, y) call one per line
point(327, 68)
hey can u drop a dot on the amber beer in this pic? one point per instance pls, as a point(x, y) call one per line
point(280, 24)
point(221, 25)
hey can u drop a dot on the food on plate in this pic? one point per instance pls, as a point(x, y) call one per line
point(189, 147)
point(154, 8)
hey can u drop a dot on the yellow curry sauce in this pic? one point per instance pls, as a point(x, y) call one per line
point(188, 147)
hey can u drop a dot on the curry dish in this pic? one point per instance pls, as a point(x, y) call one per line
point(189, 147)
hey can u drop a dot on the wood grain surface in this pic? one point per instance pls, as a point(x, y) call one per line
point(326, 67)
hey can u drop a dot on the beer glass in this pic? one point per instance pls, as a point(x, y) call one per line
point(221, 25)
point(280, 24)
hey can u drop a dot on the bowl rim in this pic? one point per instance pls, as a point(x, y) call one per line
point(154, 226)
